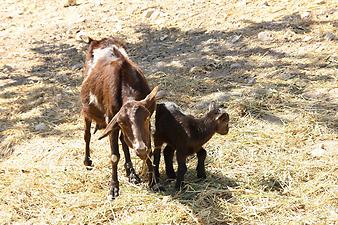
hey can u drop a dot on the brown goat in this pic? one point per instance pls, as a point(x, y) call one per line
point(186, 135)
point(116, 96)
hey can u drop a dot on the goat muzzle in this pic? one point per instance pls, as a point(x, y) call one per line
point(142, 153)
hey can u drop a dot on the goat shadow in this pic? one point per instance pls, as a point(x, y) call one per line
point(194, 186)
point(201, 194)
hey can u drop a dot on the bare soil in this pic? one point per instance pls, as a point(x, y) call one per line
point(271, 64)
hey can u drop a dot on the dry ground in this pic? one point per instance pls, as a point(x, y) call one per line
point(278, 164)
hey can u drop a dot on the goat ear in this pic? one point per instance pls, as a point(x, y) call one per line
point(151, 98)
point(92, 44)
point(117, 53)
point(112, 125)
point(89, 40)
point(160, 94)
point(212, 106)
point(223, 116)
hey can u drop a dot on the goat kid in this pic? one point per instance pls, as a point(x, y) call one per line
point(185, 134)
point(116, 96)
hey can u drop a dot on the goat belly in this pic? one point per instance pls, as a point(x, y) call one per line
point(193, 149)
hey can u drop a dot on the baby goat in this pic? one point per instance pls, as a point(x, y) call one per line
point(186, 135)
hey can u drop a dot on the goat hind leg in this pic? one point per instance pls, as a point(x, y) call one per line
point(115, 157)
point(201, 155)
point(87, 135)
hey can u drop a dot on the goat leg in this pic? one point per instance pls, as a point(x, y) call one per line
point(201, 155)
point(128, 165)
point(87, 161)
point(168, 153)
point(181, 170)
point(157, 157)
point(153, 182)
point(115, 157)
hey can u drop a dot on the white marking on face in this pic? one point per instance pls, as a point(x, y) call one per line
point(139, 145)
point(107, 119)
point(138, 142)
point(114, 158)
point(135, 136)
point(93, 100)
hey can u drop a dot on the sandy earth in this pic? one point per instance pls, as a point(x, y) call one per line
point(272, 64)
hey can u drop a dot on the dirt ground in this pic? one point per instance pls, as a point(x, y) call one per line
point(271, 64)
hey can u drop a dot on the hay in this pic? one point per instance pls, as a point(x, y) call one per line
point(280, 94)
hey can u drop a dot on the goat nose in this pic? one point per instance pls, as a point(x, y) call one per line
point(139, 145)
point(141, 150)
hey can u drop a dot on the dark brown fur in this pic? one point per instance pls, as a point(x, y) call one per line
point(116, 91)
point(186, 135)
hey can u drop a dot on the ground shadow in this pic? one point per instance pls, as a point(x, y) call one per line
point(201, 194)
point(47, 93)
point(199, 62)
point(186, 64)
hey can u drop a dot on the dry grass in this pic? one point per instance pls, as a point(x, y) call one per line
point(278, 164)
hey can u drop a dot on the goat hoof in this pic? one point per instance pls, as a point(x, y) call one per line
point(134, 178)
point(171, 176)
point(179, 186)
point(114, 193)
point(202, 176)
point(88, 163)
point(157, 187)
point(89, 168)
point(169, 180)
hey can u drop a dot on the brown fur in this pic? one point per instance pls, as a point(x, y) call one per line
point(116, 90)
point(103, 43)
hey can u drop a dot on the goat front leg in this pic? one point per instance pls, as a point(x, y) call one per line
point(201, 155)
point(115, 157)
point(181, 170)
point(168, 153)
point(128, 165)
point(157, 157)
point(153, 180)
point(87, 135)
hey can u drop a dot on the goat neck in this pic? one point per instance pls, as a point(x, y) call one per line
point(205, 129)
